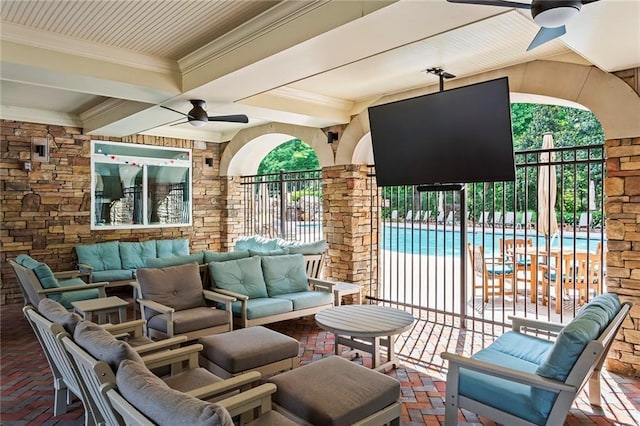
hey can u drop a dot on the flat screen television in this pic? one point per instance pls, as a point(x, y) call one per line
point(454, 136)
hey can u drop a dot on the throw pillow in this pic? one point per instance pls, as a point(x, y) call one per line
point(212, 256)
point(242, 276)
point(102, 345)
point(285, 274)
point(163, 405)
point(179, 287)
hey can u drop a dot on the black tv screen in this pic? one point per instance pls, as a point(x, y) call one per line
point(454, 136)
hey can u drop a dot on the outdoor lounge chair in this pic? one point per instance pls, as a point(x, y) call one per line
point(409, 216)
point(89, 341)
point(173, 303)
point(584, 223)
point(425, 217)
point(497, 219)
point(510, 219)
point(484, 219)
point(522, 379)
point(38, 282)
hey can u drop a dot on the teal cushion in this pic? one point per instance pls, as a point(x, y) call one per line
point(169, 248)
point(285, 274)
point(100, 256)
point(242, 276)
point(263, 307)
point(524, 346)
point(571, 341)
point(316, 247)
point(42, 271)
point(134, 254)
point(498, 269)
point(307, 299)
point(276, 252)
point(163, 262)
point(212, 256)
point(609, 302)
point(65, 299)
point(113, 275)
point(256, 243)
point(505, 395)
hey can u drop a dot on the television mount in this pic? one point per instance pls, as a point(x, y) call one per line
point(442, 74)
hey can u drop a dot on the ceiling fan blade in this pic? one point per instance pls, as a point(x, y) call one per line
point(588, 1)
point(239, 118)
point(177, 124)
point(174, 110)
point(545, 35)
point(502, 3)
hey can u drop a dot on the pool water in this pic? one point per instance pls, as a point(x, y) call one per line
point(432, 242)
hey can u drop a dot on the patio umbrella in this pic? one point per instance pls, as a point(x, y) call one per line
point(592, 195)
point(547, 187)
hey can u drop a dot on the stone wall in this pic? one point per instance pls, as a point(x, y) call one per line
point(348, 222)
point(46, 212)
point(622, 208)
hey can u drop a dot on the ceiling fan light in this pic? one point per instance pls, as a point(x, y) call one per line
point(197, 123)
point(556, 17)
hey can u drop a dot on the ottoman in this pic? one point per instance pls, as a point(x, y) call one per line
point(334, 391)
point(254, 348)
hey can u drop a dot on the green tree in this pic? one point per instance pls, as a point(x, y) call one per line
point(293, 155)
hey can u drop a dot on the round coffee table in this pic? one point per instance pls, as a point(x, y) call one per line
point(364, 328)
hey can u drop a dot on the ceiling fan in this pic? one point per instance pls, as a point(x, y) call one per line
point(550, 15)
point(198, 117)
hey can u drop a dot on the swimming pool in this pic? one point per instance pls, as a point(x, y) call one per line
point(432, 242)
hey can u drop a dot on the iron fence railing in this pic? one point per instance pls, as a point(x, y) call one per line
point(285, 205)
point(421, 255)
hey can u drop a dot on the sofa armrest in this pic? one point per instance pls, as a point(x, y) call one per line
point(517, 323)
point(158, 307)
point(220, 297)
point(322, 285)
point(242, 381)
point(237, 296)
point(87, 270)
point(65, 275)
point(456, 362)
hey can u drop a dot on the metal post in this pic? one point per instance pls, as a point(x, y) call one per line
point(463, 256)
point(283, 206)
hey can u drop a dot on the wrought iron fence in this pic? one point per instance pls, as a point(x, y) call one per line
point(510, 264)
point(285, 205)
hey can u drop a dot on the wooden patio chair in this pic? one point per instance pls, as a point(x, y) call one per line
point(37, 282)
point(519, 262)
point(489, 274)
point(580, 272)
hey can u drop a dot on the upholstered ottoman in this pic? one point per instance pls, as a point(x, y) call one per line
point(335, 391)
point(254, 348)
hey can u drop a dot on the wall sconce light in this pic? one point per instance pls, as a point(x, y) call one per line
point(208, 162)
point(332, 136)
point(40, 149)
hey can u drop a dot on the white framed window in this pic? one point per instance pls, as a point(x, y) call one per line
point(139, 186)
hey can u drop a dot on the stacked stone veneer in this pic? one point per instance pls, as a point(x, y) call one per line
point(46, 212)
point(349, 226)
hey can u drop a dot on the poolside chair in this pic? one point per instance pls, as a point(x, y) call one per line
point(440, 217)
point(489, 274)
point(585, 221)
point(497, 219)
point(38, 282)
point(394, 216)
point(450, 218)
point(409, 216)
point(580, 273)
point(425, 217)
point(510, 219)
point(526, 220)
point(484, 218)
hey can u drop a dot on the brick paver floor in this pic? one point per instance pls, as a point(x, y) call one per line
point(27, 393)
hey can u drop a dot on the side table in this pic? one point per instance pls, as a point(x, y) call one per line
point(343, 289)
point(101, 306)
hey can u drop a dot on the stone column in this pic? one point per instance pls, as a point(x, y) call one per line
point(348, 224)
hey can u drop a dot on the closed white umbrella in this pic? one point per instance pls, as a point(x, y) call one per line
point(592, 195)
point(547, 188)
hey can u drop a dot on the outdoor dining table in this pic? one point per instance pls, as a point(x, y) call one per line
point(534, 254)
